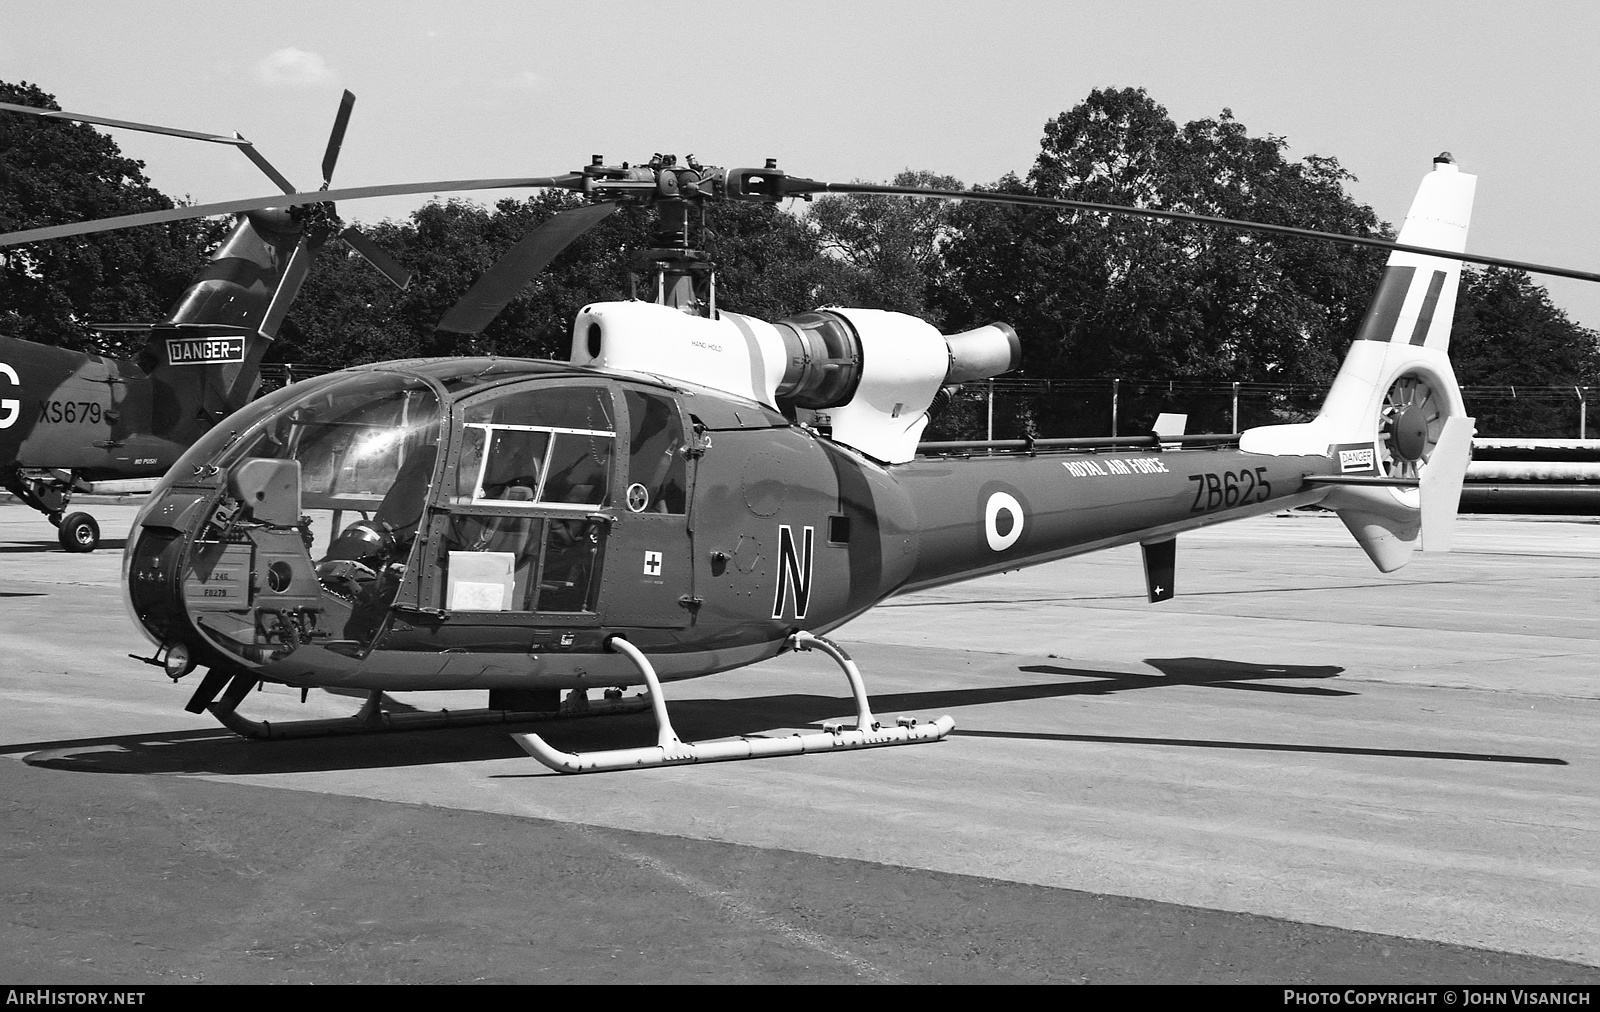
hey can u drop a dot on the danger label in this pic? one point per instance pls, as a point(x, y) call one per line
point(1355, 460)
point(204, 350)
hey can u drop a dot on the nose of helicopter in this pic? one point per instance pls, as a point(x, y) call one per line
point(219, 568)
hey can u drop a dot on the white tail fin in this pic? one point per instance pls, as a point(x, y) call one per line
point(1386, 415)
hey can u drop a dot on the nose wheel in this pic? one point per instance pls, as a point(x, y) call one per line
point(78, 532)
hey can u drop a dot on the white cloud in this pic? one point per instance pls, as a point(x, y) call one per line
point(525, 80)
point(294, 67)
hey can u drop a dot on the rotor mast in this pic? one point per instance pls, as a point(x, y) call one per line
point(675, 271)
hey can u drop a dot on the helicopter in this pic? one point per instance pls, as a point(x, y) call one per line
point(695, 490)
point(79, 418)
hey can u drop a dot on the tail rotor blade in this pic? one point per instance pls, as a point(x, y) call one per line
point(506, 276)
point(336, 139)
point(377, 257)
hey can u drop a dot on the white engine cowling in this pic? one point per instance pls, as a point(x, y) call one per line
point(865, 376)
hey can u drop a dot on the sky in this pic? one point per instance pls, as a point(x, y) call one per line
point(840, 91)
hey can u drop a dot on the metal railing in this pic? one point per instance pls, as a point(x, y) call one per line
point(1015, 407)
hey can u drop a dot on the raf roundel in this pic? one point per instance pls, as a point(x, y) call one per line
point(1002, 504)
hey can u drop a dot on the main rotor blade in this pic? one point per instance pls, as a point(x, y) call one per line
point(236, 140)
point(330, 157)
point(261, 163)
point(294, 275)
point(794, 185)
point(32, 110)
point(377, 257)
point(571, 181)
point(507, 275)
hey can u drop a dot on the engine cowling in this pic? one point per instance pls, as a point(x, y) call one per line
point(864, 376)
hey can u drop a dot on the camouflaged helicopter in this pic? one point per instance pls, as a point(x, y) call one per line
point(78, 418)
point(695, 490)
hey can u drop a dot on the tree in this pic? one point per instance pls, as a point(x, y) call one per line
point(1097, 295)
point(770, 263)
point(54, 171)
point(1507, 334)
point(889, 250)
point(769, 266)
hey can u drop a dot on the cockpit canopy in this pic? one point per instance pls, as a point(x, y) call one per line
point(522, 463)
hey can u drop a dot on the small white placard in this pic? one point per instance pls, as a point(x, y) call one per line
point(480, 581)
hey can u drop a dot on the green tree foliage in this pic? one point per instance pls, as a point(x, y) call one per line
point(770, 263)
point(346, 315)
point(889, 251)
point(1506, 335)
point(1105, 295)
point(54, 171)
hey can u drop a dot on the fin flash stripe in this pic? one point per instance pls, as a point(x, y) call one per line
point(1419, 334)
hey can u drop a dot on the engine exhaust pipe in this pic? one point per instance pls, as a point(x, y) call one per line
point(982, 353)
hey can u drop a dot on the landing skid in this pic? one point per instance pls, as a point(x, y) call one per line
point(669, 750)
point(371, 718)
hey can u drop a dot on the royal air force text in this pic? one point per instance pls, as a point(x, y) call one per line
point(1212, 490)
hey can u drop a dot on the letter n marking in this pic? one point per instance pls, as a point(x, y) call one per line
point(794, 571)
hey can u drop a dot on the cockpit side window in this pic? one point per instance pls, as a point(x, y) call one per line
point(657, 468)
point(534, 461)
point(554, 442)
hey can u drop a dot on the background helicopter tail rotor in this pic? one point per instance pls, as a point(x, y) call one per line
point(358, 240)
point(324, 221)
point(321, 221)
point(341, 122)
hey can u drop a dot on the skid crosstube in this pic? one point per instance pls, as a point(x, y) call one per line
point(669, 750)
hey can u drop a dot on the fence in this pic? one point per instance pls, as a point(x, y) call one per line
point(1010, 408)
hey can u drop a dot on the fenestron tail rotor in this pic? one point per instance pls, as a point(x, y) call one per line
point(1409, 426)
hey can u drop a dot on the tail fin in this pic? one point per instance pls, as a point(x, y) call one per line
point(204, 359)
point(1387, 414)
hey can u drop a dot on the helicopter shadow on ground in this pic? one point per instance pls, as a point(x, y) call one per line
point(218, 752)
point(35, 547)
point(1205, 671)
